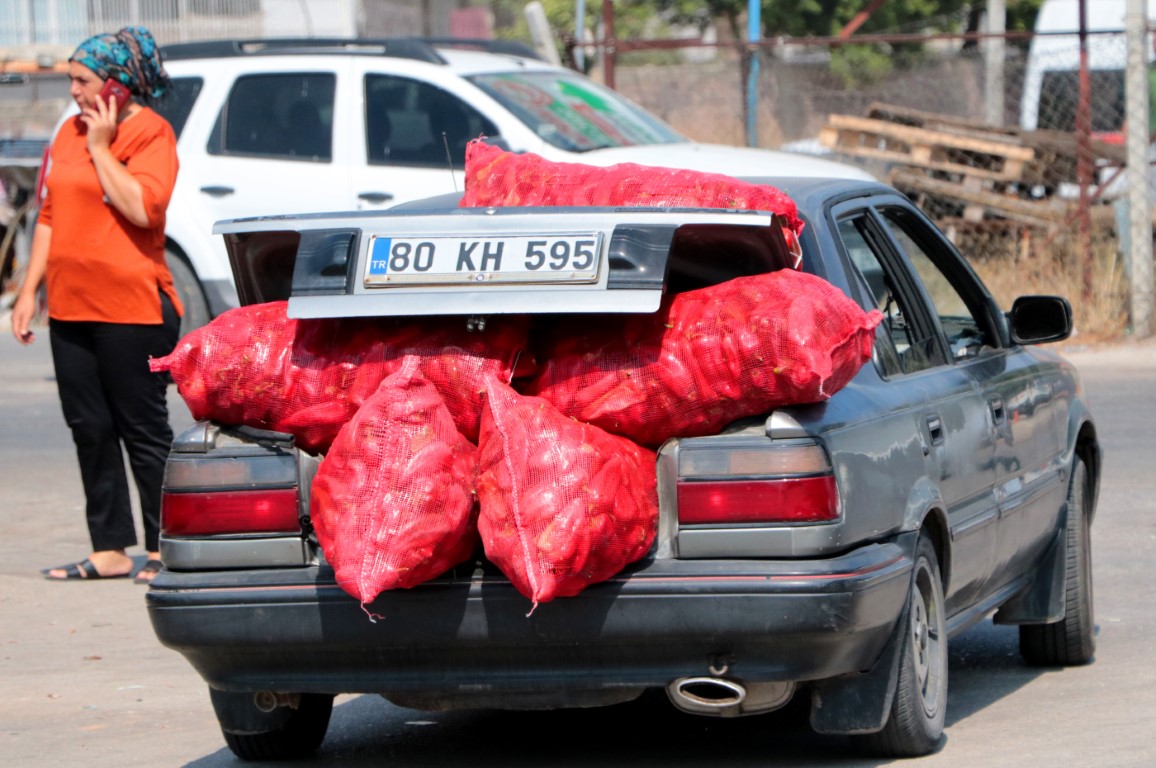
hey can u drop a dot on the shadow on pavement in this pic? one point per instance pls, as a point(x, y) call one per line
point(368, 731)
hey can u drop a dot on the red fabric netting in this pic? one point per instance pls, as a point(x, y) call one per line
point(707, 357)
point(563, 504)
point(392, 501)
point(495, 177)
point(256, 366)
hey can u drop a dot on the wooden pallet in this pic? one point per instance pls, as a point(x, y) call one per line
point(979, 204)
point(988, 173)
point(937, 150)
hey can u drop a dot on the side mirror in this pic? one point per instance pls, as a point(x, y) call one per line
point(1040, 319)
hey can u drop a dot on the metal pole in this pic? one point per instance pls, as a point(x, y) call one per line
point(1084, 154)
point(1139, 191)
point(580, 34)
point(754, 35)
point(608, 53)
point(994, 55)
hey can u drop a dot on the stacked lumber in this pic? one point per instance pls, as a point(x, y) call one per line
point(960, 169)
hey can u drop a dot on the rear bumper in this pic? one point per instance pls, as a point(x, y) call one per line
point(294, 629)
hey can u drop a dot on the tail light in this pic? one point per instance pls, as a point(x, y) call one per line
point(764, 481)
point(237, 495)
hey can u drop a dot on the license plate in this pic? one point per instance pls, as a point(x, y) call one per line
point(555, 258)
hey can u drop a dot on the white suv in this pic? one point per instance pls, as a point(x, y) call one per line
point(316, 125)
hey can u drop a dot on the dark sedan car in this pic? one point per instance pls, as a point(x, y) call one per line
point(954, 478)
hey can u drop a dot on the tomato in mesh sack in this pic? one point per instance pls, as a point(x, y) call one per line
point(563, 504)
point(393, 500)
point(495, 177)
point(256, 366)
point(708, 357)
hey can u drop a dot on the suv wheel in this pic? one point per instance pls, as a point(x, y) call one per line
point(189, 289)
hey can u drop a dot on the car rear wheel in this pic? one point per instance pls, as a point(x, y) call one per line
point(189, 289)
point(915, 722)
point(1072, 640)
point(284, 732)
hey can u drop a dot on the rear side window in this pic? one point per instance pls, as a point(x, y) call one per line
point(408, 122)
point(178, 102)
point(282, 116)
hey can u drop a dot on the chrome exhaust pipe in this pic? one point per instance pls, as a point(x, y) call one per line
point(727, 697)
point(706, 695)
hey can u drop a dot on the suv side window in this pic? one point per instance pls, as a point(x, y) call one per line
point(282, 116)
point(408, 122)
point(178, 101)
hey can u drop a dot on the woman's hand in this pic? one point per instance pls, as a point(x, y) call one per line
point(101, 120)
point(122, 190)
point(23, 310)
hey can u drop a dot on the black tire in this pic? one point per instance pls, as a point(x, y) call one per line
point(286, 733)
point(915, 722)
point(192, 295)
point(1072, 640)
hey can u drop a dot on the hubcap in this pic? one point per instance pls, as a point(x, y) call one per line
point(926, 644)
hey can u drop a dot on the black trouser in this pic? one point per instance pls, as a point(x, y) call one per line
point(108, 395)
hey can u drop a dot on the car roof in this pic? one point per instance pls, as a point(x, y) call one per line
point(812, 193)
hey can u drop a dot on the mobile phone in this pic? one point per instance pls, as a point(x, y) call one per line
point(114, 90)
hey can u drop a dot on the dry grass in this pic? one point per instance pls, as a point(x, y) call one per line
point(1099, 303)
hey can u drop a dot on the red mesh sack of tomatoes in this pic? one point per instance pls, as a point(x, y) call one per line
point(495, 177)
point(708, 357)
point(562, 504)
point(392, 501)
point(256, 366)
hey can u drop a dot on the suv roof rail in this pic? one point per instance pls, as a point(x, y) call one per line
point(399, 47)
point(507, 47)
point(418, 48)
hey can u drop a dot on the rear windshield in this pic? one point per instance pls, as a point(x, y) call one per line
point(573, 113)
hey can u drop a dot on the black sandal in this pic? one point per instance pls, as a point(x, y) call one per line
point(82, 571)
point(148, 572)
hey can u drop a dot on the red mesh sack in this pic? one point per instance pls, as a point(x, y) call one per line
point(256, 366)
point(460, 362)
point(708, 357)
point(562, 504)
point(495, 177)
point(230, 368)
point(392, 501)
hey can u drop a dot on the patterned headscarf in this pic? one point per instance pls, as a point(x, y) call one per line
point(131, 56)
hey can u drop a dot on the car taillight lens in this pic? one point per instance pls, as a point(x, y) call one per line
point(201, 514)
point(764, 482)
point(212, 495)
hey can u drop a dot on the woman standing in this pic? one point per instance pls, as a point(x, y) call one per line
point(99, 243)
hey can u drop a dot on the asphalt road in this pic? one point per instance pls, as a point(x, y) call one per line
point(84, 682)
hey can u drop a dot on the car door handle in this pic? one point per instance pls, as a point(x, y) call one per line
point(375, 197)
point(935, 429)
point(998, 414)
point(218, 191)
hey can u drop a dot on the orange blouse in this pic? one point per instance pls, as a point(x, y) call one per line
point(102, 267)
